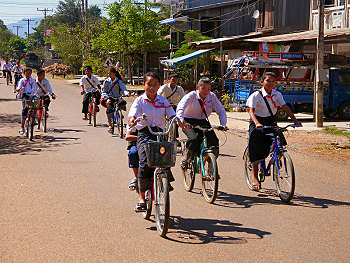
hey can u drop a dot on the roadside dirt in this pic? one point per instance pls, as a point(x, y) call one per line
point(320, 143)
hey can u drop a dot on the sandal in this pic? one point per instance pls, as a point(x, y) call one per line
point(133, 185)
point(184, 165)
point(84, 118)
point(140, 207)
point(110, 130)
point(256, 186)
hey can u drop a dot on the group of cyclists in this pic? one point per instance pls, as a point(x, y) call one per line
point(160, 103)
point(8, 68)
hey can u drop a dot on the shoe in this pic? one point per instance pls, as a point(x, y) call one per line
point(97, 109)
point(21, 131)
point(47, 114)
point(133, 185)
point(84, 118)
point(256, 186)
point(14, 91)
point(140, 207)
point(110, 130)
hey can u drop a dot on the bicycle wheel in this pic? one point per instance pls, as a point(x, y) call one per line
point(162, 203)
point(147, 213)
point(94, 113)
point(30, 125)
point(120, 124)
point(210, 178)
point(40, 118)
point(248, 169)
point(7, 78)
point(112, 122)
point(44, 120)
point(283, 172)
point(90, 112)
point(188, 177)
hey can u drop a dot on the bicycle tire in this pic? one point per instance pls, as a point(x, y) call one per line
point(162, 203)
point(248, 170)
point(120, 124)
point(89, 112)
point(147, 214)
point(31, 126)
point(94, 113)
point(39, 119)
point(44, 120)
point(112, 123)
point(286, 171)
point(7, 78)
point(210, 180)
point(26, 125)
point(188, 177)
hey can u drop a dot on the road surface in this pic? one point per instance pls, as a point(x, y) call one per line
point(64, 198)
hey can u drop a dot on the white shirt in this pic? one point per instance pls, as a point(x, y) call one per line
point(87, 87)
point(189, 107)
point(166, 91)
point(17, 69)
point(45, 84)
point(156, 111)
point(7, 66)
point(28, 86)
point(256, 101)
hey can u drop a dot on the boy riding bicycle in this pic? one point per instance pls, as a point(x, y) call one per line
point(156, 108)
point(112, 89)
point(18, 70)
point(262, 106)
point(89, 85)
point(195, 109)
point(43, 88)
point(6, 69)
point(25, 89)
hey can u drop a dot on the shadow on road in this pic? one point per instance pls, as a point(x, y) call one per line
point(21, 145)
point(265, 197)
point(65, 130)
point(4, 99)
point(10, 119)
point(203, 231)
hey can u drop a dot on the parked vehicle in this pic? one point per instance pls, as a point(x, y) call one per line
point(32, 60)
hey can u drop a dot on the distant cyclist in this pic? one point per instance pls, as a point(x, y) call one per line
point(18, 70)
point(89, 85)
point(43, 89)
point(6, 69)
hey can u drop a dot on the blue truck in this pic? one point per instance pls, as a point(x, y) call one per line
point(294, 81)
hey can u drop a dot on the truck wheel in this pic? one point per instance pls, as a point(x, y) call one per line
point(344, 111)
point(281, 115)
point(331, 113)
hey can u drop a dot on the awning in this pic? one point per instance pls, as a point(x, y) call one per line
point(175, 62)
point(167, 21)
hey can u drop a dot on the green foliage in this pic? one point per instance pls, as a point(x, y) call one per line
point(68, 12)
point(5, 36)
point(337, 131)
point(17, 46)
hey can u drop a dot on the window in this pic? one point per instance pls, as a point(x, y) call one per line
point(344, 78)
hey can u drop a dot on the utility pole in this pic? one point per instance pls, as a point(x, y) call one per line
point(28, 21)
point(346, 13)
point(86, 13)
point(318, 93)
point(45, 10)
point(18, 28)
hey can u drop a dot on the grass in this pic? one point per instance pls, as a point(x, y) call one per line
point(337, 131)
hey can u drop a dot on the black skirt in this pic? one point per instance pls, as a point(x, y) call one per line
point(259, 143)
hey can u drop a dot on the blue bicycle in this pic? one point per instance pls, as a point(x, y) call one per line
point(117, 120)
point(280, 163)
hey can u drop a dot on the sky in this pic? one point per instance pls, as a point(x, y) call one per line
point(12, 11)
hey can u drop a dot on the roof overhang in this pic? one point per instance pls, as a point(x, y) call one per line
point(175, 62)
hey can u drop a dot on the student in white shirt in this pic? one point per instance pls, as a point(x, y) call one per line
point(112, 90)
point(195, 109)
point(18, 70)
point(173, 93)
point(259, 143)
point(43, 88)
point(6, 69)
point(156, 108)
point(26, 89)
point(89, 85)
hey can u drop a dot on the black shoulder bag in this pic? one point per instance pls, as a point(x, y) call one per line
point(172, 93)
point(205, 113)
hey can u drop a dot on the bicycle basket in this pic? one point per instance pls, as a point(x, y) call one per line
point(160, 154)
point(33, 104)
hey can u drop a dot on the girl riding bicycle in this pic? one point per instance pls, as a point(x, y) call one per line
point(194, 109)
point(112, 89)
point(156, 108)
point(262, 106)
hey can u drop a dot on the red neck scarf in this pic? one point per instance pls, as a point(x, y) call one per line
point(154, 104)
point(27, 81)
point(202, 104)
point(271, 98)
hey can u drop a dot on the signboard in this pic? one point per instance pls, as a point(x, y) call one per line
point(292, 55)
point(108, 63)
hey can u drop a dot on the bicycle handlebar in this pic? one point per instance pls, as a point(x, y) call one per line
point(144, 117)
point(279, 128)
point(221, 128)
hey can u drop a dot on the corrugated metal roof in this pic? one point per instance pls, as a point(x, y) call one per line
point(224, 39)
point(305, 35)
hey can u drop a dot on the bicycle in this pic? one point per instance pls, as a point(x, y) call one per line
point(118, 119)
point(210, 175)
point(92, 109)
point(42, 112)
point(33, 104)
point(280, 162)
point(161, 155)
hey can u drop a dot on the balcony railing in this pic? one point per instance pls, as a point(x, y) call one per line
point(334, 17)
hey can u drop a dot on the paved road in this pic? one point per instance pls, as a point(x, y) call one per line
point(64, 198)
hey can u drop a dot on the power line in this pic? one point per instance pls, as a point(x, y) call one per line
point(28, 21)
point(45, 10)
point(18, 28)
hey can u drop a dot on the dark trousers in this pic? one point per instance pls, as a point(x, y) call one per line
point(17, 78)
point(86, 99)
point(195, 136)
point(9, 73)
point(46, 101)
point(116, 101)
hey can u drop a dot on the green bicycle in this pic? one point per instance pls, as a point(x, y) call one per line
point(206, 165)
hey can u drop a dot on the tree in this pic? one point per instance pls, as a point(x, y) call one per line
point(132, 30)
point(68, 13)
point(16, 45)
point(5, 36)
